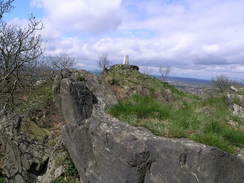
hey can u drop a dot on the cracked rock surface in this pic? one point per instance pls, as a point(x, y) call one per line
point(22, 159)
point(106, 150)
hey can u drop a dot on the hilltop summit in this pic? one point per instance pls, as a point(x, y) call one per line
point(126, 80)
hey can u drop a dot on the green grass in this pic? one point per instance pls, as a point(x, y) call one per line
point(204, 121)
point(142, 107)
point(34, 131)
point(38, 97)
point(63, 180)
point(214, 140)
point(238, 119)
point(33, 103)
point(62, 158)
point(241, 92)
point(3, 180)
point(132, 79)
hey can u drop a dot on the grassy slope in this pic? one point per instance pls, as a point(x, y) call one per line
point(202, 120)
point(133, 82)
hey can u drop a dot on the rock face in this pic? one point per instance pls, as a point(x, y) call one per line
point(238, 110)
point(125, 66)
point(104, 95)
point(105, 150)
point(236, 103)
point(23, 159)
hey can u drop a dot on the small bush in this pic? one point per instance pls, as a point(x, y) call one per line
point(222, 83)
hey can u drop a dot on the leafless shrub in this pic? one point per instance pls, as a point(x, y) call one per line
point(62, 62)
point(222, 84)
point(103, 62)
point(19, 47)
point(40, 69)
point(5, 6)
point(164, 72)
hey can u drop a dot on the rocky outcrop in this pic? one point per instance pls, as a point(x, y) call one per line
point(106, 150)
point(23, 159)
point(238, 110)
point(236, 103)
point(104, 94)
point(124, 67)
point(126, 81)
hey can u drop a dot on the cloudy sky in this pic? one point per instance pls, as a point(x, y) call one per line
point(196, 38)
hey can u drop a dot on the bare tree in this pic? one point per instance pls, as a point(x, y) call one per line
point(222, 83)
point(103, 62)
point(62, 62)
point(39, 69)
point(164, 72)
point(19, 46)
point(5, 6)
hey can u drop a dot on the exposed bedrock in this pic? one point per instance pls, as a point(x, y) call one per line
point(22, 159)
point(106, 150)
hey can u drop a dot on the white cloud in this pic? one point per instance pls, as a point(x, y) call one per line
point(36, 3)
point(81, 15)
point(18, 22)
point(197, 38)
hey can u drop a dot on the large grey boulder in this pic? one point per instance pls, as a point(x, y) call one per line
point(238, 110)
point(109, 151)
point(106, 150)
point(104, 94)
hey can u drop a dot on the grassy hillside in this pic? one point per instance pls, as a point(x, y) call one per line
point(167, 112)
point(126, 80)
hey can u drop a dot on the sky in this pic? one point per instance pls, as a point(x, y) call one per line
point(195, 38)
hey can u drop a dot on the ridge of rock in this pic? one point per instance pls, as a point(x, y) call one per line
point(104, 149)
